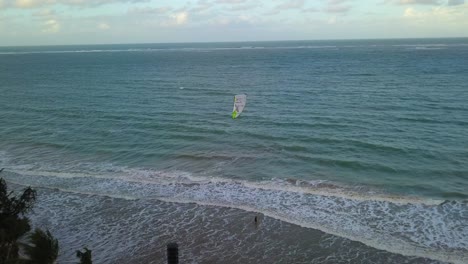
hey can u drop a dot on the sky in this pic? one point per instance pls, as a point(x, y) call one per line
point(58, 22)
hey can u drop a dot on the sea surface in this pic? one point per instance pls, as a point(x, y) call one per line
point(350, 151)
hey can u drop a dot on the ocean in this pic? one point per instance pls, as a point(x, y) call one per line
point(348, 150)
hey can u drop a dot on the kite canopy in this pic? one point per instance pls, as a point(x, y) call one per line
point(239, 104)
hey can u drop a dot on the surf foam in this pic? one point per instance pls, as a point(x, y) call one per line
point(404, 225)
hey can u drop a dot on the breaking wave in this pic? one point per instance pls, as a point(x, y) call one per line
point(410, 226)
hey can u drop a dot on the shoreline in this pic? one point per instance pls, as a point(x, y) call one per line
point(206, 234)
point(347, 218)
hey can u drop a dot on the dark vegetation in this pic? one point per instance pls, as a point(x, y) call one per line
point(85, 256)
point(17, 244)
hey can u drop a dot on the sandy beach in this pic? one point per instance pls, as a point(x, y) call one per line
point(137, 231)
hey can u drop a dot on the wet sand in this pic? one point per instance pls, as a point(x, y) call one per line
point(137, 231)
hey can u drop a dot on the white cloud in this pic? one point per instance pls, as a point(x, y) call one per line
point(291, 4)
point(455, 2)
point(103, 26)
point(411, 13)
point(51, 26)
point(44, 13)
point(337, 6)
point(287, 5)
point(149, 10)
point(244, 7)
point(442, 15)
point(310, 10)
point(414, 2)
point(25, 4)
point(234, 22)
point(332, 20)
point(337, 9)
point(230, 1)
point(202, 6)
point(336, 2)
point(193, 20)
point(180, 18)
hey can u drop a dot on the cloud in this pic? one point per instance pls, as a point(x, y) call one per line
point(159, 16)
point(336, 2)
point(337, 9)
point(337, 6)
point(291, 4)
point(414, 2)
point(202, 6)
point(455, 2)
point(51, 26)
point(426, 2)
point(287, 5)
point(439, 15)
point(411, 13)
point(103, 26)
point(309, 10)
point(235, 22)
point(26, 4)
point(44, 13)
point(230, 5)
point(332, 20)
point(244, 7)
point(230, 1)
point(149, 10)
point(180, 18)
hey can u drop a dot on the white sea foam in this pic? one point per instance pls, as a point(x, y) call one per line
point(426, 45)
point(208, 49)
point(161, 49)
point(405, 225)
point(428, 48)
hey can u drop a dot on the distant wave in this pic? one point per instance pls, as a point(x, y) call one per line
point(401, 224)
point(428, 47)
point(421, 46)
point(431, 45)
point(188, 49)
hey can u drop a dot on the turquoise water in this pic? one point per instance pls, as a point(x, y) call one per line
point(391, 114)
point(369, 127)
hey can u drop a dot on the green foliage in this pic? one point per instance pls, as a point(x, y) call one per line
point(14, 206)
point(43, 249)
point(13, 223)
point(85, 256)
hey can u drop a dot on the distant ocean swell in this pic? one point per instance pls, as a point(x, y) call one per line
point(160, 50)
point(422, 46)
point(406, 225)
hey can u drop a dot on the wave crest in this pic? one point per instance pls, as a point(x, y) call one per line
point(406, 225)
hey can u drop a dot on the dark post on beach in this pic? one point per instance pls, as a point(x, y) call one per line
point(172, 253)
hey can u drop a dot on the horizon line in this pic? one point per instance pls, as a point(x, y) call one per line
point(233, 41)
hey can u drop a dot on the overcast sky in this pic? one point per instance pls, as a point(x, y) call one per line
point(38, 22)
